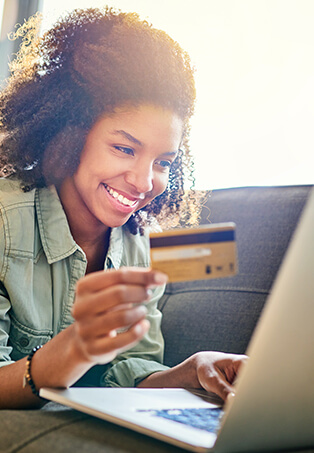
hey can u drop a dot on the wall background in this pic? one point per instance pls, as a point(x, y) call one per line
point(255, 82)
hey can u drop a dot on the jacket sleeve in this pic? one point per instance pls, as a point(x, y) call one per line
point(5, 304)
point(5, 350)
point(134, 365)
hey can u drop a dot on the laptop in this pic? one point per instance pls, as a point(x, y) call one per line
point(273, 407)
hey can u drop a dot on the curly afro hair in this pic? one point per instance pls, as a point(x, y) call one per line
point(89, 63)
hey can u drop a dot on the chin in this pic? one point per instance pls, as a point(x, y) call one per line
point(117, 224)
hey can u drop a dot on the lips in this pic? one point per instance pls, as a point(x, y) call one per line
point(119, 197)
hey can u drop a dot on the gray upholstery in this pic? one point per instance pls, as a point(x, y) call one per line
point(216, 314)
point(221, 314)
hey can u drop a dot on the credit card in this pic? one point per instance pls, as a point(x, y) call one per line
point(204, 252)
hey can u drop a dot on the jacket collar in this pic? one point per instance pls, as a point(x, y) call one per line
point(55, 233)
point(115, 251)
point(56, 237)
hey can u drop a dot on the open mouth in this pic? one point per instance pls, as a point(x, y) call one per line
point(117, 196)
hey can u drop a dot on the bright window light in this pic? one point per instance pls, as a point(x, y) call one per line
point(1, 9)
point(255, 84)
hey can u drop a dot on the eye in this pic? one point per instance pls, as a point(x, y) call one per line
point(125, 150)
point(166, 164)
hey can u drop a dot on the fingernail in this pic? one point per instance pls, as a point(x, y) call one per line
point(149, 293)
point(141, 327)
point(160, 278)
point(142, 310)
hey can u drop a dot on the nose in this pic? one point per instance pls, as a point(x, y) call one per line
point(141, 177)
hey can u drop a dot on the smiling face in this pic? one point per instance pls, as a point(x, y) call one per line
point(124, 165)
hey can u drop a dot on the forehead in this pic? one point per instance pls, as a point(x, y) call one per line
point(144, 122)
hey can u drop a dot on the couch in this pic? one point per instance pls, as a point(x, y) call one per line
point(218, 314)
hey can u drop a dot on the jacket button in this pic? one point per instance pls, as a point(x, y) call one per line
point(24, 341)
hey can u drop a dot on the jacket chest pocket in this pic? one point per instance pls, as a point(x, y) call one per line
point(23, 339)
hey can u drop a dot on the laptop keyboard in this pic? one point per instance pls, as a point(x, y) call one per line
point(207, 419)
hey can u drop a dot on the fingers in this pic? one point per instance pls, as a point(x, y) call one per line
point(98, 281)
point(105, 348)
point(217, 384)
point(217, 372)
point(213, 380)
point(107, 302)
point(101, 291)
point(99, 327)
point(92, 304)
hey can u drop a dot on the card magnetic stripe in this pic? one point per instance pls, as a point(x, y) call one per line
point(195, 238)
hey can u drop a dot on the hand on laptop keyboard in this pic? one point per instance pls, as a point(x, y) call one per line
point(210, 370)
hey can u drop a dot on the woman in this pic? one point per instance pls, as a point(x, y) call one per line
point(94, 124)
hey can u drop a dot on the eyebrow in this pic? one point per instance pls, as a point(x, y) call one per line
point(128, 136)
point(170, 153)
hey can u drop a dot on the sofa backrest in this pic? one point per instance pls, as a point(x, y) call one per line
point(221, 314)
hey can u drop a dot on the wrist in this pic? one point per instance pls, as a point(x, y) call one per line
point(60, 363)
point(76, 349)
point(183, 375)
point(27, 378)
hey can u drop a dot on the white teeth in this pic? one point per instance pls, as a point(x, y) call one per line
point(119, 197)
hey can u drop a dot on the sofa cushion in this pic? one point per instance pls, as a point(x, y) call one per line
point(221, 314)
point(57, 429)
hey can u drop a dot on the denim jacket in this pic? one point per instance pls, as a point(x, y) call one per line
point(40, 264)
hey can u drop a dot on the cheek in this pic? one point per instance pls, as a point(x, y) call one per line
point(160, 184)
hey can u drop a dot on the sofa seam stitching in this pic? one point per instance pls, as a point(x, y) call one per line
point(29, 441)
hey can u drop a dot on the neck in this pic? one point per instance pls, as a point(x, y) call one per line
point(90, 234)
point(96, 253)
